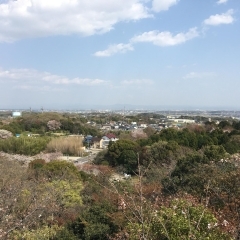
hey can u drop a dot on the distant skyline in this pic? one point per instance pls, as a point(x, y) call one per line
point(160, 54)
point(125, 108)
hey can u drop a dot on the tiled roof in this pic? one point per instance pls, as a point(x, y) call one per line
point(110, 135)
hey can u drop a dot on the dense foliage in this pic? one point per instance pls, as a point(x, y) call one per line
point(42, 123)
point(124, 153)
point(184, 184)
point(36, 200)
point(24, 145)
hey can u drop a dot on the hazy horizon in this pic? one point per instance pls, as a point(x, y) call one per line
point(124, 107)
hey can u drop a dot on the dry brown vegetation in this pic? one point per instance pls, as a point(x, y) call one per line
point(66, 145)
point(5, 134)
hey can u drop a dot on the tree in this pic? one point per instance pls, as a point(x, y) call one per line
point(53, 125)
point(158, 218)
point(123, 153)
point(56, 170)
point(138, 134)
point(94, 222)
point(214, 153)
point(181, 176)
point(224, 124)
point(45, 232)
point(149, 131)
point(161, 152)
point(185, 220)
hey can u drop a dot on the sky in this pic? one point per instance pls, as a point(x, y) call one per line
point(162, 54)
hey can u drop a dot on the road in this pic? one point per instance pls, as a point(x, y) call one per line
point(81, 160)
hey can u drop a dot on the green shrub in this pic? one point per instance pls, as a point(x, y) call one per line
point(24, 145)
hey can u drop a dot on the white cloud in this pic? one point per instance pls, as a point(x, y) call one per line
point(224, 18)
point(199, 75)
point(36, 18)
point(166, 38)
point(221, 1)
point(155, 37)
point(30, 78)
point(113, 49)
point(163, 5)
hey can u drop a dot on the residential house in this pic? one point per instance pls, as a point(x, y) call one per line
point(104, 142)
point(109, 137)
point(112, 137)
point(96, 142)
point(88, 140)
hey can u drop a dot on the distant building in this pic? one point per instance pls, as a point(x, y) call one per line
point(173, 116)
point(16, 114)
point(143, 125)
point(106, 127)
point(179, 120)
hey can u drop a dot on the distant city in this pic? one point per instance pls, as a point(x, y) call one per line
point(127, 112)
